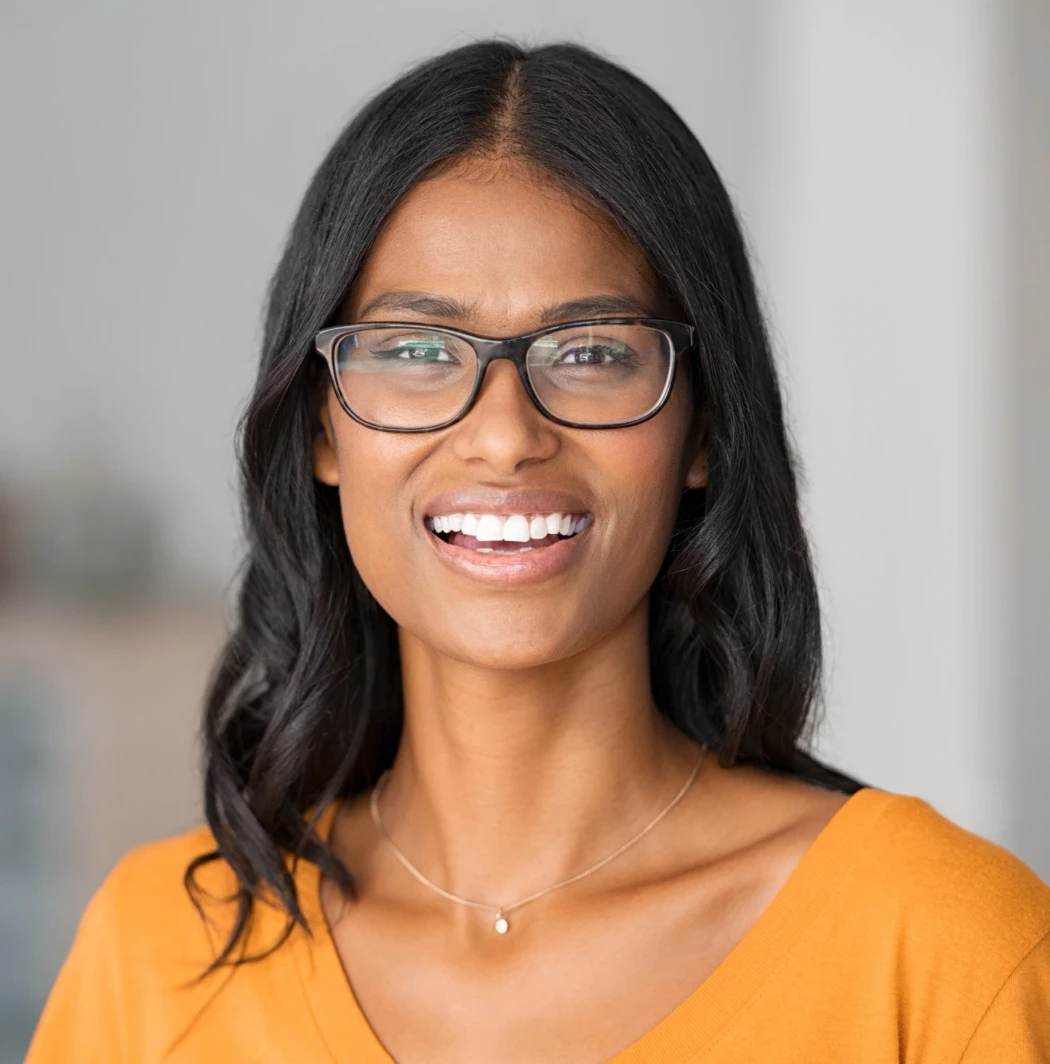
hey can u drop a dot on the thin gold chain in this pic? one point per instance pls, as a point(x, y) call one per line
point(501, 909)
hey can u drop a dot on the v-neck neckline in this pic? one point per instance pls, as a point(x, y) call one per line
point(691, 1026)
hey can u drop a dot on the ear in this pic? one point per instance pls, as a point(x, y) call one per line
point(696, 473)
point(326, 461)
point(696, 476)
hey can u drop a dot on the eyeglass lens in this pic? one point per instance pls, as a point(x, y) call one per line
point(399, 377)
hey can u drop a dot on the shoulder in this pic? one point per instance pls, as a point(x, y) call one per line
point(157, 864)
point(128, 980)
point(892, 857)
point(958, 924)
point(144, 907)
point(925, 860)
point(943, 898)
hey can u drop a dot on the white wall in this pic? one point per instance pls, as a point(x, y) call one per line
point(879, 229)
point(902, 228)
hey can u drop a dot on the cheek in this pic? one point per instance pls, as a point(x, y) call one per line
point(645, 461)
point(374, 468)
point(641, 469)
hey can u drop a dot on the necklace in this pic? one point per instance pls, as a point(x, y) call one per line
point(502, 925)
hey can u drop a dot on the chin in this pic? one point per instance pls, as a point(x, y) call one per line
point(518, 648)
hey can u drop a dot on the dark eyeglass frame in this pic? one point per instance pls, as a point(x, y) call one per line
point(514, 348)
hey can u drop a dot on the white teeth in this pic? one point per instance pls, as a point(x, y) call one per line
point(516, 529)
point(512, 528)
point(490, 526)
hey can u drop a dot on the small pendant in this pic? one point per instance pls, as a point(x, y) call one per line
point(501, 924)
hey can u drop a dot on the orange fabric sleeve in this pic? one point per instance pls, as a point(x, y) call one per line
point(83, 1019)
point(1016, 1027)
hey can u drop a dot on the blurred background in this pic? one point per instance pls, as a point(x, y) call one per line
point(890, 160)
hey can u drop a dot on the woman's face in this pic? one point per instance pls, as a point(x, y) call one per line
point(505, 247)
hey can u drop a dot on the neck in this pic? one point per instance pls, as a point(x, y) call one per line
point(507, 781)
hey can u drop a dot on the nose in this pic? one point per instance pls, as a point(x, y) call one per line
point(504, 429)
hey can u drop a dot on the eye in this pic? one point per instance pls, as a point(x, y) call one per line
point(414, 350)
point(592, 354)
point(589, 352)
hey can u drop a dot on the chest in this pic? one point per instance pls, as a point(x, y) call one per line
point(577, 981)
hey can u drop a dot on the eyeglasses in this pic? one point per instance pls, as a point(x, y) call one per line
point(595, 374)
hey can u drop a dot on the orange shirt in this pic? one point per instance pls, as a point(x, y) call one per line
point(898, 937)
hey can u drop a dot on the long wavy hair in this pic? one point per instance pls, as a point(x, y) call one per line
point(305, 703)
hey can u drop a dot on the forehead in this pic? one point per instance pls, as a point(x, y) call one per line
point(501, 237)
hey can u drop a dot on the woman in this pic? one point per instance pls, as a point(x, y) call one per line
point(505, 759)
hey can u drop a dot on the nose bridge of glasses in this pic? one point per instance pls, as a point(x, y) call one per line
point(512, 349)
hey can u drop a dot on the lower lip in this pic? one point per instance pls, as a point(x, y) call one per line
point(511, 570)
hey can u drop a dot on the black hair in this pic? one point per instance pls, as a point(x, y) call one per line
point(305, 703)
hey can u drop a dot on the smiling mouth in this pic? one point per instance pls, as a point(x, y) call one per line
point(506, 533)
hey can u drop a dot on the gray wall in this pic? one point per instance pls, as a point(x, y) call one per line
point(1026, 363)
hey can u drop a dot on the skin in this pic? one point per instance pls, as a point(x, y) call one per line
point(532, 747)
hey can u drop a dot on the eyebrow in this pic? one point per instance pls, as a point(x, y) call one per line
point(453, 309)
point(595, 306)
point(420, 303)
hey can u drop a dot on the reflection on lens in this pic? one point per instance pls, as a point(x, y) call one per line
point(401, 378)
point(418, 377)
point(600, 374)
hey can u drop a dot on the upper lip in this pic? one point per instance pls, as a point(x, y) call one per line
point(504, 501)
